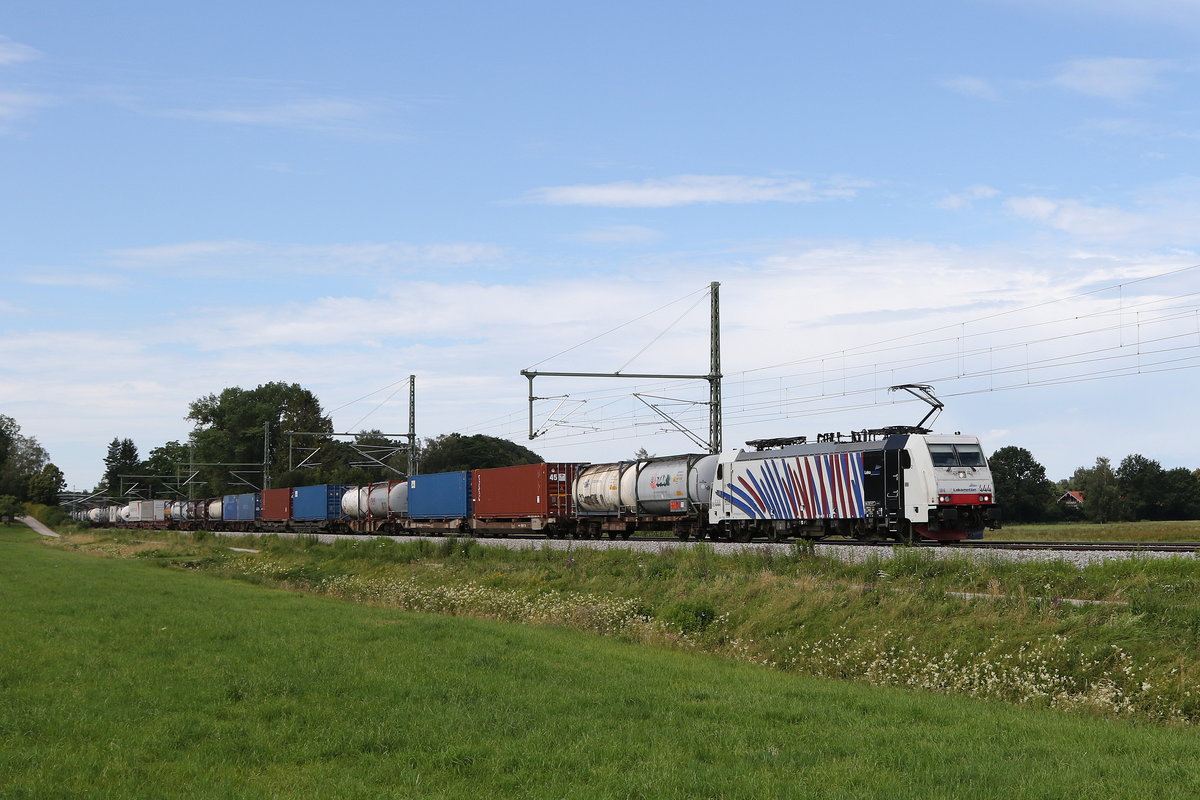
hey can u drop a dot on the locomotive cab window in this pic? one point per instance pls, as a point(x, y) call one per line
point(956, 455)
point(970, 455)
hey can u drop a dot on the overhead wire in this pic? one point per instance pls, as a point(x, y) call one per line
point(1147, 317)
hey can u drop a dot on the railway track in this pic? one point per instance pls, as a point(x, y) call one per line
point(1158, 547)
point(1078, 553)
point(1155, 547)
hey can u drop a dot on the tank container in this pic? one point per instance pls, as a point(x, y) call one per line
point(354, 502)
point(657, 486)
point(388, 498)
point(673, 485)
point(597, 488)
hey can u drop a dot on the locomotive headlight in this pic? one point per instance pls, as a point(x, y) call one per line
point(985, 498)
point(943, 498)
point(962, 474)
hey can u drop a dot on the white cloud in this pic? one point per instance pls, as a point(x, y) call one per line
point(238, 256)
point(682, 190)
point(1175, 13)
point(1161, 219)
point(74, 280)
point(334, 115)
point(173, 254)
point(620, 235)
point(1117, 126)
point(967, 197)
point(18, 105)
point(1120, 79)
point(14, 52)
point(466, 341)
point(277, 166)
point(971, 87)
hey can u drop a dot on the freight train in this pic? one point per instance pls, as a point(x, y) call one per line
point(896, 483)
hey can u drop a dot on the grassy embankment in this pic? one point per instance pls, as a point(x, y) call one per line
point(123, 680)
point(1182, 531)
point(983, 628)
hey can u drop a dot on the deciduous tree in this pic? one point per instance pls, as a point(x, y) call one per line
point(23, 458)
point(1139, 485)
point(45, 484)
point(1022, 489)
point(1101, 502)
point(453, 452)
point(229, 427)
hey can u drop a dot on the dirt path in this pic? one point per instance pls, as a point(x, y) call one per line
point(37, 526)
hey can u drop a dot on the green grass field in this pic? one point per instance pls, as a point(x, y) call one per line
point(1184, 531)
point(124, 679)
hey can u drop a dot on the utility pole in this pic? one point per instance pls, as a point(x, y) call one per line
point(412, 425)
point(714, 373)
point(267, 454)
point(713, 377)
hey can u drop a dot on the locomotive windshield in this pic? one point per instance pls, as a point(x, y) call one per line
point(957, 455)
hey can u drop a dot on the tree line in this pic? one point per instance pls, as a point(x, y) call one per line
point(1137, 489)
point(26, 473)
point(225, 452)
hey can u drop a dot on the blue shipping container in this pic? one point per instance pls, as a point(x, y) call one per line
point(249, 506)
point(442, 495)
point(318, 502)
point(239, 507)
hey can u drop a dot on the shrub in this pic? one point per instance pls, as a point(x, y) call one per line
point(689, 616)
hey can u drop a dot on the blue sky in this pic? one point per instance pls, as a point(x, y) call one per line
point(996, 197)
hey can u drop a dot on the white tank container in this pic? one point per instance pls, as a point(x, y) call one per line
point(94, 516)
point(673, 485)
point(354, 502)
point(658, 486)
point(214, 508)
point(598, 487)
point(388, 497)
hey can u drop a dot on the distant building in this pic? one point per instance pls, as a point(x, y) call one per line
point(1071, 500)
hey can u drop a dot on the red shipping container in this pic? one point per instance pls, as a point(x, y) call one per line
point(528, 490)
point(277, 505)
